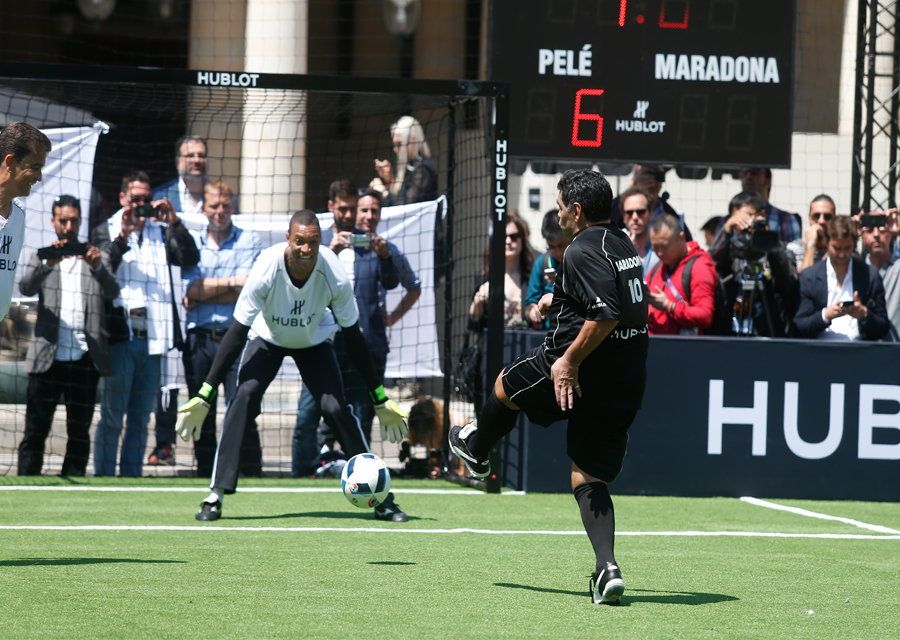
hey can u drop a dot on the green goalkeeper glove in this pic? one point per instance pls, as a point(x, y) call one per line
point(192, 414)
point(390, 416)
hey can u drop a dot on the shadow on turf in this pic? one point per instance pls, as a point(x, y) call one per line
point(56, 562)
point(672, 597)
point(319, 514)
point(393, 563)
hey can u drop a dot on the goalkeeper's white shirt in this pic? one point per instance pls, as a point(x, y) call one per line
point(280, 313)
point(12, 235)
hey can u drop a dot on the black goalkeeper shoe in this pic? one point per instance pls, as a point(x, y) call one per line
point(209, 511)
point(478, 467)
point(390, 511)
point(607, 586)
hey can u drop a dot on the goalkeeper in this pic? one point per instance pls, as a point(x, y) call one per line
point(293, 302)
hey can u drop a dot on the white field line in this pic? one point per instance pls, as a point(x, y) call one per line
point(820, 516)
point(446, 492)
point(686, 534)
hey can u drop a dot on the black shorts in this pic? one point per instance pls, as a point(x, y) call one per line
point(597, 433)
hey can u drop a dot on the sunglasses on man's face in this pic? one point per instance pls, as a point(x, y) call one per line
point(825, 217)
point(635, 212)
point(141, 199)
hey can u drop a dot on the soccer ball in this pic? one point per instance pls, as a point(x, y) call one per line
point(366, 480)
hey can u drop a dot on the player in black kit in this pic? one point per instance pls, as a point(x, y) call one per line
point(590, 370)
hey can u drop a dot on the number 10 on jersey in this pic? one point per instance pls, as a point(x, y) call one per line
point(636, 287)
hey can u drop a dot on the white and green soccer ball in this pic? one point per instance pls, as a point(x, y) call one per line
point(366, 481)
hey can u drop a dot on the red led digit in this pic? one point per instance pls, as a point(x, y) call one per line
point(663, 24)
point(623, 5)
point(576, 141)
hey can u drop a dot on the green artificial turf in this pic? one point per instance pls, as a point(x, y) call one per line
point(278, 576)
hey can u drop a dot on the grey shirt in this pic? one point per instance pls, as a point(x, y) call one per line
point(890, 275)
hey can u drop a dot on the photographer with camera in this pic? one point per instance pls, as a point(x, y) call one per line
point(149, 238)
point(757, 269)
point(70, 350)
point(841, 297)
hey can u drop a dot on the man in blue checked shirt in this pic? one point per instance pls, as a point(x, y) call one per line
point(227, 253)
point(785, 224)
point(374, 269)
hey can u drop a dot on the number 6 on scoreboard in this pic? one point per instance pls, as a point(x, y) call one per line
point(576, 141)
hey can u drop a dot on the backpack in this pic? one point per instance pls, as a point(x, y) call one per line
point(722, 314)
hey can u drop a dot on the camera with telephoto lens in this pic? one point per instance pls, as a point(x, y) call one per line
point(755, 242)
point(67, 249)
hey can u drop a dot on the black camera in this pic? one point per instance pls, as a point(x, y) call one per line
point(872, 221)
point(68, 249)
point(755, 242)
point(146, 211)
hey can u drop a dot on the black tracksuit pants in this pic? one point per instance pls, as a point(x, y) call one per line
point(259, 365)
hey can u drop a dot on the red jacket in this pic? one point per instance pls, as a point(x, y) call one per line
point(696, 313)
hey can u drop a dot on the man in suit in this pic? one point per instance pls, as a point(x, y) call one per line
point(841, 297)
point(186, 191)
point(70, 350)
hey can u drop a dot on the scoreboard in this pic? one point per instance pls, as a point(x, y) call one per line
point(696, 82)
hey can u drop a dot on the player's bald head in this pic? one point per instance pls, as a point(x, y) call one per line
point(303, 218)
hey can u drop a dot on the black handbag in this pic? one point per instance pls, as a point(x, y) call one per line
point(466, 376)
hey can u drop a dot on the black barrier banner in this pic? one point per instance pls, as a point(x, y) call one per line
point(801, 419)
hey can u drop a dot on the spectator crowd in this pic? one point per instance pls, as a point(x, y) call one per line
point(761, 275)
point(110, 309)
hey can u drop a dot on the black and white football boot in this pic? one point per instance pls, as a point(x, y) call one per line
point(390, 511)
point(478, 467)
point(209, 511)
point(607, 586)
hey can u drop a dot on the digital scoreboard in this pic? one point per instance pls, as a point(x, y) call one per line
point(696, 82)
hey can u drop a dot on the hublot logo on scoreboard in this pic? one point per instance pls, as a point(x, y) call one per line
point(640, 124)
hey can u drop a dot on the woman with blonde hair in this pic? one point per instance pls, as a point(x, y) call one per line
point(416, 178)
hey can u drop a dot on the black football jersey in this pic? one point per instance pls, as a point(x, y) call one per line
point(601, 278)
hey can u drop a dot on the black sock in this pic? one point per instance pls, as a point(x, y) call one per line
point(496, 421)
point(599, 520)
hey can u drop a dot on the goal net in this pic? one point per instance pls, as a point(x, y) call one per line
point(279, 142)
